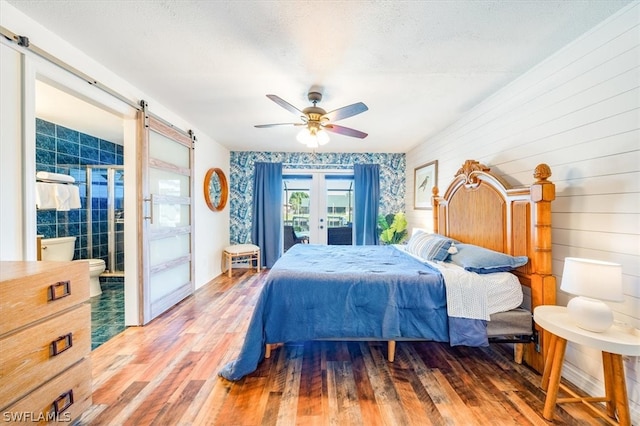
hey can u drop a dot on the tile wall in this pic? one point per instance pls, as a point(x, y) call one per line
point(63, 150)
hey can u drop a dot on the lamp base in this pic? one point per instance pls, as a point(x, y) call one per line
point(590, 314)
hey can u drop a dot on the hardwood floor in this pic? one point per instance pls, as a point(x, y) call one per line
point(166, 374)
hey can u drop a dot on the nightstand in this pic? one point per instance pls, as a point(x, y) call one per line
point(613, 343)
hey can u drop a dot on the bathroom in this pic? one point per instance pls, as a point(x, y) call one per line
point(97, 166)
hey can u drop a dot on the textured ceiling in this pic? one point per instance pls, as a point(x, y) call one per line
point(417, 65)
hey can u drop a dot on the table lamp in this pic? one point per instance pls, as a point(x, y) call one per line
point(592, 281)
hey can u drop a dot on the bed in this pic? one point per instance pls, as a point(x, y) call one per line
point(381, 293)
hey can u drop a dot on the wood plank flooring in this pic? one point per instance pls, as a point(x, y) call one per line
point(166, 374)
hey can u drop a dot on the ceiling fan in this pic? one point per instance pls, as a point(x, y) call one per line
point(316, 120)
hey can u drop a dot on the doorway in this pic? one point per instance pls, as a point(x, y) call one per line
point(83, 140)
point(318, 207)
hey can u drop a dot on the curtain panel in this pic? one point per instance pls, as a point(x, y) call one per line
point(366, 179)
point(266, 231)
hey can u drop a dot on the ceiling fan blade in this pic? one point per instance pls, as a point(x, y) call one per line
point(345, 131)
point(284, 104)
point(278, 124)
point(345, 112)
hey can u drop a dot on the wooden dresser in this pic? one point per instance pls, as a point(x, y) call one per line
point(45, 342)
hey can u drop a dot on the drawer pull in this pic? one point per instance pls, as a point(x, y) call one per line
point(61, 344)
point(59, 290)
point(63, 402)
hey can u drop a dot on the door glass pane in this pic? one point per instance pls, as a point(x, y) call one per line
point(170, 215)
point(167, 249)
point(295, 213)
point(339, 210)
point(164, 182)
point(163, 283)
point(318, 208)
point(167, 150)
point(118, 265)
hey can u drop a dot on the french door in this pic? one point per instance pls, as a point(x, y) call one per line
point(166, 216)
point(319, 206)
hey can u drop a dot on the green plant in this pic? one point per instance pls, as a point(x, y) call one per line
point(392, 227)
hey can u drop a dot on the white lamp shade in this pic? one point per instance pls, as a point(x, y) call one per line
point(592, 278)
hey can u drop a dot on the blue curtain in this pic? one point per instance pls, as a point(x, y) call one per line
point(366, 179)
point(266, 230)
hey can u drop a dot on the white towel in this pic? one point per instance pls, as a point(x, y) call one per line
point(55, 177)
point(74, 197)
point(62, 197)
point(45, 196)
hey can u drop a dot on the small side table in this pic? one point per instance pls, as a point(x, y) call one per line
point(613, 343)
point(238, 253)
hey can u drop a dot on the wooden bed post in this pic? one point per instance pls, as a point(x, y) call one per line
point(435, 202)
point(543, 193)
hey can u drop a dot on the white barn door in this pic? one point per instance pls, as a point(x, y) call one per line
point(166, 216)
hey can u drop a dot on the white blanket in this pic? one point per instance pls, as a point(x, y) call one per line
point(477, 296)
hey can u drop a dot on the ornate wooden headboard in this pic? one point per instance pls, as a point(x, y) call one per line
point(480, 208)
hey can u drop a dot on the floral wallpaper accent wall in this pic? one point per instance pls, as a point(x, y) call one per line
point(392, 180)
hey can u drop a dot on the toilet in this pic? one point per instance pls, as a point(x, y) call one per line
point(62, 248)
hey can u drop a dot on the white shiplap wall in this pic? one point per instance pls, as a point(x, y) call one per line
point(579, 112)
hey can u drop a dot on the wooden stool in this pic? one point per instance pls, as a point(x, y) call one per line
point(240, 253)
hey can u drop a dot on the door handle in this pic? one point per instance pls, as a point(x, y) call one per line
point(149, 209)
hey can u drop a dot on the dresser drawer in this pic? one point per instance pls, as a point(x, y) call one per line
point(60, 400)
point(33, 290)
point(37, 353)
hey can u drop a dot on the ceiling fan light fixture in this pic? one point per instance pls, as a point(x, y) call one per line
point(322, 136)
point(313, 137)
point(317, 122)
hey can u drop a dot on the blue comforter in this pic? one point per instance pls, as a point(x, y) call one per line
point(374, 292)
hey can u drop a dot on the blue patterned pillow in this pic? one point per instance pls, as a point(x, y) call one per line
point(429, 246)
point(484, 261)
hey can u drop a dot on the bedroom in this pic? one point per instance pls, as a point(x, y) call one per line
point(594, 158)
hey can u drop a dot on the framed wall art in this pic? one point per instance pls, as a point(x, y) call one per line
point(425, 177)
